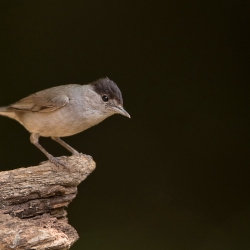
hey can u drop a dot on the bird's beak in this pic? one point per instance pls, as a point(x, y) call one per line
point(120, 110)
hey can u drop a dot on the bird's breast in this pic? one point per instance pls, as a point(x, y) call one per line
point(62, 122)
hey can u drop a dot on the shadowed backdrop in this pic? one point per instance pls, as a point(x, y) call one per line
point(175, 176)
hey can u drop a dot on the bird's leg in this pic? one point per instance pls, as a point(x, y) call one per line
point(34, 138)
point(65, 145)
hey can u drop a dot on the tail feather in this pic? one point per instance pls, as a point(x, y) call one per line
point(5, 111)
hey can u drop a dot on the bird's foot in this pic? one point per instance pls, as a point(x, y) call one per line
point(57, 162)
point(76, 153)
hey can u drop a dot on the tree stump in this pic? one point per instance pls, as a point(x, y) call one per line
point(33, 201)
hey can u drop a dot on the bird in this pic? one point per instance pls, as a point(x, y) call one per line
point(66, 110)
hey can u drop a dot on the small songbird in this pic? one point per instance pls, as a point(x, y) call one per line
point(66, 110)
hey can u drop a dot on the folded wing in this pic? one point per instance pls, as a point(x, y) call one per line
point(44, 101)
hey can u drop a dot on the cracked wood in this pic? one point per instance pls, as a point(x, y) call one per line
point(33, 201)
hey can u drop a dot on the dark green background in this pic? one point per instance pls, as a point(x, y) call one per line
point(175, 176)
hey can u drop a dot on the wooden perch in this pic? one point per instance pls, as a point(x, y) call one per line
point(33, 201)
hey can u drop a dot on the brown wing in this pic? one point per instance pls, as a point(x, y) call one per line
point(44, 101)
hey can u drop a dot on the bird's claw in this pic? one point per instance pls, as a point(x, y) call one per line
point(57, 162)
point(76, 153)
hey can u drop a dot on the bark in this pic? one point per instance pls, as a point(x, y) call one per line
point(33, 201)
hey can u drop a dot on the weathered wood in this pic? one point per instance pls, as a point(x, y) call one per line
point(32, 202)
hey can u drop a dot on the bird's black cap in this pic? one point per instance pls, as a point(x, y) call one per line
point(105, 86)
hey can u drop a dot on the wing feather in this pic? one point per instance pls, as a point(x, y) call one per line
point(44, 101)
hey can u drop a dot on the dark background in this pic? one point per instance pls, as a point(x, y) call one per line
point(175, 176)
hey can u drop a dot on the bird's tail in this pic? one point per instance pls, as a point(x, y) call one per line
point(5, 111)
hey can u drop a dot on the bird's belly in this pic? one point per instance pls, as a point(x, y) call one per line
point(57, 123)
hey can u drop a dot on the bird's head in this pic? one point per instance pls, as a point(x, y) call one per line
point(108, 97)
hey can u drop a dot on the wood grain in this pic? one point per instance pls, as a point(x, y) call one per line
point(33, 201)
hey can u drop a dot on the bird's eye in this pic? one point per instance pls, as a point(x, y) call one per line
point(105, 98)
